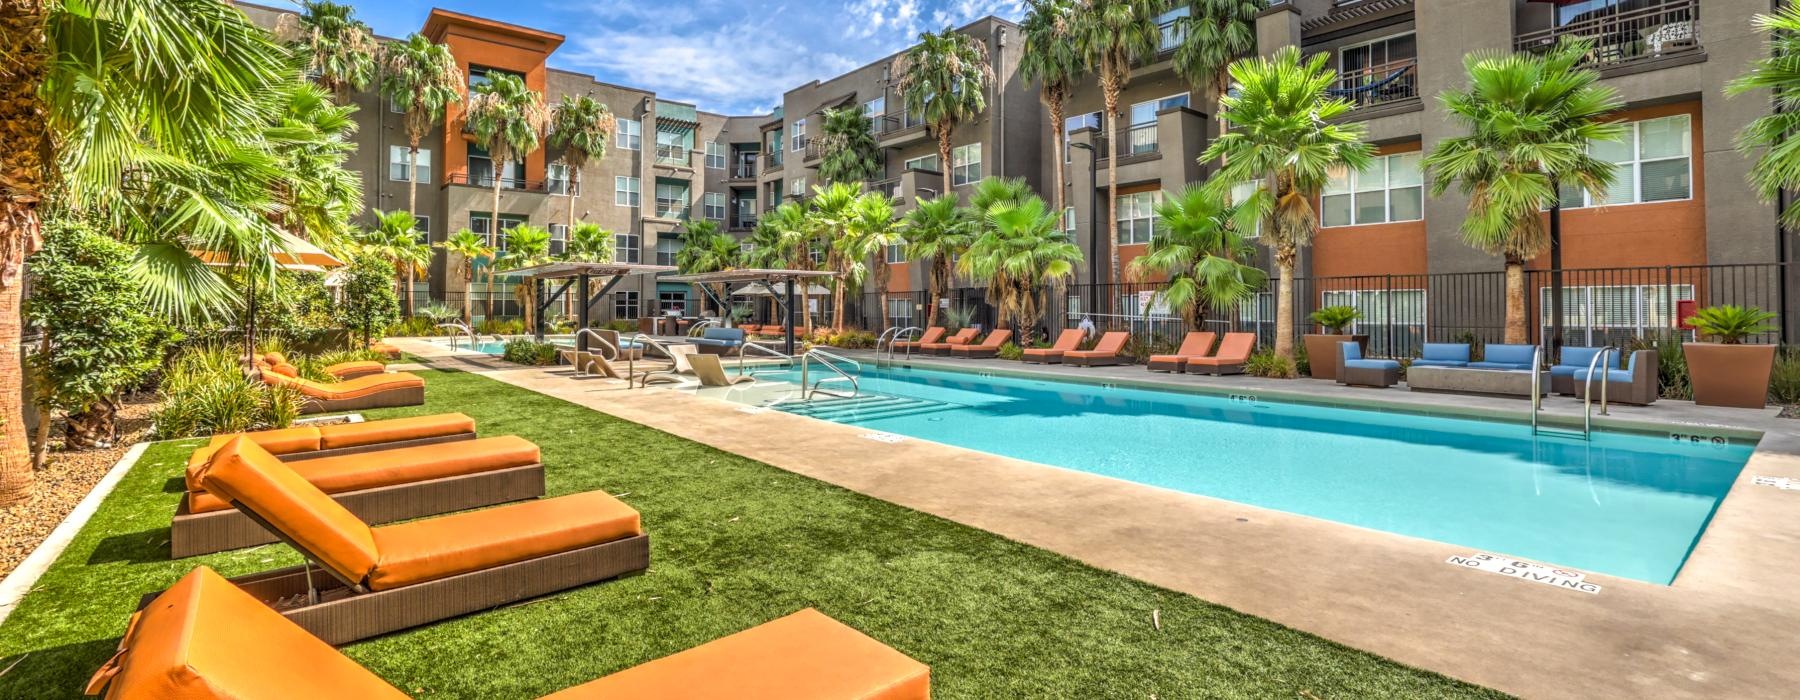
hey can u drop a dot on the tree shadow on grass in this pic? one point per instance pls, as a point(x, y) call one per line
point(142, 547)
point(47, 673)
point(175, 484)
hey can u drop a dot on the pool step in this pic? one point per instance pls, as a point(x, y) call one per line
point(864, 407)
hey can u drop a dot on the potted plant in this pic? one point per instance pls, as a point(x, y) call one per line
point(1322, 348)
point(1729, 372)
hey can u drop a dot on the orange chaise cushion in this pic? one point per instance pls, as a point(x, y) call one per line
point(266, 486)
point(804, 656)
point(393, 430)
point(280, 441)
point(349, 388)
point(401, 465)
point(427, 550)
point(205, 638)
point(358, 367)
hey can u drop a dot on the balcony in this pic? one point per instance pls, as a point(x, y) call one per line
point(1380, 85)
point(1622, 37)
point(771, 161)
point(674, 156)
point(485, 180)
point(815, 150)
point(670, 209)
point(896, 130)
point(743, 167)
point(1142, 142)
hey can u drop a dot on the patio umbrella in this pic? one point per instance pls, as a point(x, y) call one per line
point(293, 253)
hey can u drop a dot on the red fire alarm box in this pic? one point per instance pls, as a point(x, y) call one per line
point(1684, 310)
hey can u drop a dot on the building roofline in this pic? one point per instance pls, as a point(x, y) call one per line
point(890, 57)
point(440, 19)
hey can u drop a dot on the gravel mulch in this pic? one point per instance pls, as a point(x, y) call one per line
point(66, 478)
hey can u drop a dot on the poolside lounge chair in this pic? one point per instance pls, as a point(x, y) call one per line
point(1355, 370)
point(392, 353)
point(711, 372)
point(1574, 359)
point(341, 370)
point(1443, 355)
point(1502, 356)
point(333, 439)
point(1106, 352)
point(388, 578)
point(1194, 344)
point(989, 347)
point(379, 487)
point(1234, 351)
point(931, 335)
point(372, 391)
point(720, 341)
point(962, 337)
point(1069, 339)
point(1637, 384)
point(205, 638)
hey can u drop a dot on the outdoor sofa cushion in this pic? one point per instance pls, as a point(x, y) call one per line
point(1501, 356)
point(243, 472)
point(1574, 359)
point(720, 337)
point(1069, 339)
point(1110, 344)
point(349, 388)
point(1443, 355)
point(309, 438)
point(1353, 358)
point(401, 465)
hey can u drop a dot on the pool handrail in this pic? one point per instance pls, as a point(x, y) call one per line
point(891, 336)
point(694, 331)
point(830, 359)
point(772, 352)
point(604, 343)
point(461, 327)
point(1587, 390)
point(1537, 386)
point(643, 341)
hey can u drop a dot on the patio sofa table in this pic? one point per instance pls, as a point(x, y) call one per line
point(1469, 380)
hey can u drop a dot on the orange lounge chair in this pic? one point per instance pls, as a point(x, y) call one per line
point(393, 353)
point(388, 578)
point(989, 347)
point(1233, 352)
point(962, 337)
point(371, 391)
point(1105, 352)
point(204, 638)
point(931, 335)
point(331, 440)
point(341, 370)
point(379, 487)
point(1069, 339)
point(1195, 344)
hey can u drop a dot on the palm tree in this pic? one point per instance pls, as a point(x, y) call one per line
point(1212, 35)
point(872, 228)
point(315, 195)
point(944, 79)
point(992, 192)
point(526, 245)
point(339, 49)
point(1199, 246)
point(1285, 134)
point(1021, 253)
point(937, 230)
point(588, 242)
point(81, 92)
point(1530, 119)
point(1113, 36)
point(507, 119)
point(470, 247)
point(704, 249)
point(1769, 139)
point(783, 238)
point(581, 127)
point(421, 76)
point(1051, 59)
point(395, 237)
point(848, 143)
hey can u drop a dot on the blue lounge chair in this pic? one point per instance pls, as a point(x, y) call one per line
point(1637, 384)
point(1353, 370)
point(1444, 355)
point(1574, 360)
point(1506, 357)
point(720, 341)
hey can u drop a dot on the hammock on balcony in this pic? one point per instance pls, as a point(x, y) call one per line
point(1371, 87)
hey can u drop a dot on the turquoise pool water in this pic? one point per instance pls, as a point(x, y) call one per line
point(1629, 505)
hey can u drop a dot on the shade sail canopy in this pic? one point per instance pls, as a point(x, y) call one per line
point(750, 275)
point(555, 270)
point(778, 289)
point(295, 253)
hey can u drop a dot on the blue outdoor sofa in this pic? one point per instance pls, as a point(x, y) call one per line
point(1501, 356)
point(1353, 370)
point(1443, 355)
point(720, 341)
point(1574, 361)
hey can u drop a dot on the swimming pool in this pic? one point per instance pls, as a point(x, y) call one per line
point(1624, 504)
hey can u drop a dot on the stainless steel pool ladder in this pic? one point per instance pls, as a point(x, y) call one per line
point(1600, 359)
point(766, 350)
point(830, 360)
point(699, 327)
point(891, 336)
point(642, 341)
point(612, 354)
point(462, 328)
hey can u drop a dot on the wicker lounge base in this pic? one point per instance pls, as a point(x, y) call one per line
point(342, 615)
point(1166, 363)
point(386, 398)
point(193, 534)
point(1086, 361)
point(1214, 370)
point(1385, 376)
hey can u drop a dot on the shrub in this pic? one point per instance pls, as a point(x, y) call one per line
point(313, 366)
point(1730, 323)
point(507, 326)
point(850, 339)
point(526, 351)
point(621, 326)
point(1265, 363)
point(1009, 351)
point(1671, 364)
point(1141, 346)
point(369, 303)
point(1302, 363)
point(1334, 319)
point(100, 340)
point(204, 392)
point(956, 318)
point(1784, 379)
point(1477, 349)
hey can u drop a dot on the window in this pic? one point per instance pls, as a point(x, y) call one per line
point(1614, 314)
point(1143, 135)
point(896, 251)
point(398, 164)
point(715, 155)
point(671, 199)
point(1241, 192)
point(798, 187)
point(714, 205)
point(774, 147)
point(774, 194)
point(481, 170)
point(672, 146)
point(631, 134)
point(965, 164)
point(899, 313)
point(559, 238)
point(1137, 217)
point(1079, 121)
point(422, 224)
point(1068, 220)
point(625, 247)
point(625, 191)
point(799, 131)
point(1390, 189)
point(625, 306)
point(1170, 24)
point(1654, 164)
point(1393, 319)
point(671, 302)
point(927, 163)
point(557, 179)
point(482, 75)
point(667, 249)
point(875, 108)
point(1376, 59)
point(479, 221)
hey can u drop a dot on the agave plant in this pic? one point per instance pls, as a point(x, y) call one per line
point(1334, 319)
point(1730, 323)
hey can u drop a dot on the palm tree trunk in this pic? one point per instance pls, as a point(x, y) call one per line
point(569, 190)
point(837, 306)
point(936, 285)
point(409, 289)
point(494, 231)
point(1055, 103)
point(1515, 301)
point(943, 134)
point(412, 176)
point(40, 445)
point(25, 148)
point(468, 292)
point(1284, 302)
point(1112, 86)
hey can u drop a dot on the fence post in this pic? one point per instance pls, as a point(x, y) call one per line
point(1669, 296)
point(1388, 298)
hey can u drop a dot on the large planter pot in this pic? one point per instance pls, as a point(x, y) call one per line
point(1322, 352)
point(1729, 375)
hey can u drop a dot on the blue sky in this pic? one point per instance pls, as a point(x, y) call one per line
point(709, 52)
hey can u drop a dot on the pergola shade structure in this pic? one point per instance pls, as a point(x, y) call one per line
point(580, 276)
point(783, 281)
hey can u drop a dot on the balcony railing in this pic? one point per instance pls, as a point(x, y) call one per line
point(1380, 84)
point(899, 122)
point(509, 183)
point(744, 168)
point(667, 154)
point(1141, 140)
point(815, 149)
point(771, 161)
point(671, 209)
point(889, 187)
point(743, 222)
point(1621, 36)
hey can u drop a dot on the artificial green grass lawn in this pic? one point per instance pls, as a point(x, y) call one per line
point(735, 543)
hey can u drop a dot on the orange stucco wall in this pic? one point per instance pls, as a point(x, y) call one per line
point(475, 41)
point(900, 277)
point(1131, 251)
point(1374, 249)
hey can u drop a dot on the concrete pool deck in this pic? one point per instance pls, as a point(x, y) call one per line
point(1722, 630)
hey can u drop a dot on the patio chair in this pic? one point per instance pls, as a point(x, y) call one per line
point(1502, 356)
point(962, 337)
point(989, 347)
point(330, 440)
point(204, 638)
point(392, 353)
point(1069, 339)
point(386, 486)
point(1574, 359)
point(376, 580)
point(1443, 355)
point(711, 372)
point(1109, 351)
point(1355, 370)
point(931, 335)
point(1637, 384)
point(341, 370)
point(1234, 351)
point(1194, 344)
point(371, 391)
